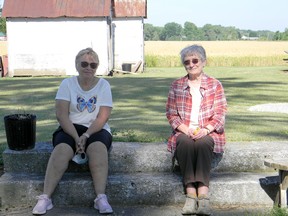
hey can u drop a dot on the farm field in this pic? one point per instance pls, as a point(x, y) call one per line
point(219, 48)
point(219, 53)
point(3, 48)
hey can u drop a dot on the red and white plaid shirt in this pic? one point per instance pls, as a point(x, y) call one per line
point(212, 111)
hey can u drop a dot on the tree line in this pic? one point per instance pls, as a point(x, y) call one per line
point(190, 32)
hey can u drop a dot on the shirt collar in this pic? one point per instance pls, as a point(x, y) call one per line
point(204, 81)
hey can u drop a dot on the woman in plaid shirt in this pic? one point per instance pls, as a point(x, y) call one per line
point(196, 109)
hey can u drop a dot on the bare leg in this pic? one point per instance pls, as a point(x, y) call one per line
point(190, 189)
point(202, 189)
point(98, 164)
point(57, 165)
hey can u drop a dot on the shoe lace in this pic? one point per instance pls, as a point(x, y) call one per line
point(42, 197)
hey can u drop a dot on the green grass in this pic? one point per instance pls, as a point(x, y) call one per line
point(139, 103)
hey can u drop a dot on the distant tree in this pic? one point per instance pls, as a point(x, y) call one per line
point(151, 33)
point(265, 35)
point(174, 31)
point(231, 33)
point(192, 32)
point(285, 35)
point(171, 31)
point(277, 36)
point(210, 32)
point(253, 33)
point(3, 25)
point(189, 30)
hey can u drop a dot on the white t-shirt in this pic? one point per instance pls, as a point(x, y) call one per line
point(84, 105)
point(196, 97)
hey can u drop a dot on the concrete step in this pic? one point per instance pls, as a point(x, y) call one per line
point(139, 210)
point(158, 188)
point(151, 157)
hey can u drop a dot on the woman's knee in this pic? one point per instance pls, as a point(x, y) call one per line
point(97, 147)
point(62, 152)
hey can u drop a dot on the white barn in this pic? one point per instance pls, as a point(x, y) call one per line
point(44, 36)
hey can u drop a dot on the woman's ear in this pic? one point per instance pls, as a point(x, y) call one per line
point(204, 63)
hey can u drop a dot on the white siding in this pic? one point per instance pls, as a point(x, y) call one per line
point(46, 46)
point(128, 41)
point(49, 46)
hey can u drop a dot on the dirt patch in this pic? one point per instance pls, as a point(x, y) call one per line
point(271, 107)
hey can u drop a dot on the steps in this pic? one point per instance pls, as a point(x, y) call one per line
point(140, 174)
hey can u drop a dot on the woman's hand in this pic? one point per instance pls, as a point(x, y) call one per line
point(198, 133)
point(80, 144)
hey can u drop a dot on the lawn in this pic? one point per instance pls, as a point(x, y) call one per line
point(139, 103)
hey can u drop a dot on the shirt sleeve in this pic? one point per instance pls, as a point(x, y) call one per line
point(171, 109)
point(63, 92)
point(106, 95)
point(220, 109)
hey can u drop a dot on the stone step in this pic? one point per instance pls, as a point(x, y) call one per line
point(137, 210)
point(76, 189)
point(151, 157)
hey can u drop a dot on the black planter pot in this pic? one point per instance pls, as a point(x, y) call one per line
point(20, 131)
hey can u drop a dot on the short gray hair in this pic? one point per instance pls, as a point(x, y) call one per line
point(88, 51)
point(193, 50)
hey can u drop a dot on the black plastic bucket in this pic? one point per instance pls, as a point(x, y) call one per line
point(20, 131)
point(126, 67)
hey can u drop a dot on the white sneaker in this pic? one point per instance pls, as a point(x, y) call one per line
point(101, 204)
point(43, 204)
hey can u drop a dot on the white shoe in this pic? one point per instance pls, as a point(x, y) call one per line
point(44, 203)
point(101, 204)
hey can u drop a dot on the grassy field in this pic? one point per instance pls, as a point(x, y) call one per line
point(139, 103)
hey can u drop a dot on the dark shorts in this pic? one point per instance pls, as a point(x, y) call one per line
point(59, 136)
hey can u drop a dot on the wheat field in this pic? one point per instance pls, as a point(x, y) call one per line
point(219, 48)
point(3, 48)
point(219, 53)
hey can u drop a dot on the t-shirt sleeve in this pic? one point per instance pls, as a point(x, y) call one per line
point(63, 92)
point(106, 95)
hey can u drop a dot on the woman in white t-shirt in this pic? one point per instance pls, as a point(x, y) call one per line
point(83, 107)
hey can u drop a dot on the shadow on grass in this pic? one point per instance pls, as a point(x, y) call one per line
point(139, 103)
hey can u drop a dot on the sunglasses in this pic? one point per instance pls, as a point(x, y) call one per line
point(85, 64)
point(194, 61)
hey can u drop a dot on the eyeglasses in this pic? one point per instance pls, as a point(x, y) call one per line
point(194, 61)
point(85, 64)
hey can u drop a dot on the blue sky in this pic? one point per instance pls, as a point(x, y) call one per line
point(242, 14)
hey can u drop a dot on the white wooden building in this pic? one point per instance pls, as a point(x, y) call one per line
point(44, 36)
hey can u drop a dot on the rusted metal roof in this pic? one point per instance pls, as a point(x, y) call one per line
point(74, 8)
point(130, 8)
point(56, 8)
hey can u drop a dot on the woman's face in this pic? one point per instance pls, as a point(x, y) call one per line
point(193, 65)
point(87, 66)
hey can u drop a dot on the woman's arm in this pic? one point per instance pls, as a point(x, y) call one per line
point(62, 115)
point(102, 117)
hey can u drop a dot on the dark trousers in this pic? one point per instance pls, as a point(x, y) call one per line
point(194, 158)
